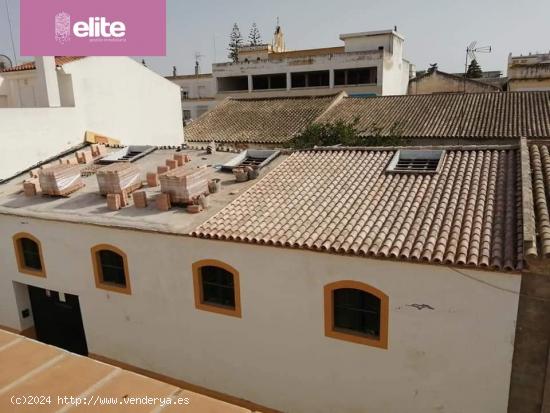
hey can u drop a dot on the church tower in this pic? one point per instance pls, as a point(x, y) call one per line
point(278, 44)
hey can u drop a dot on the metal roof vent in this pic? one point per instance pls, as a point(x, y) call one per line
point(416, 161)
point(128, 154)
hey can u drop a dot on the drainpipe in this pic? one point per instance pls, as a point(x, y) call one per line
point(46, 82)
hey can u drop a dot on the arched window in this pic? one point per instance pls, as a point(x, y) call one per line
point(28, 253)
point(216, 286)
point(111, 269)
point(356, 312)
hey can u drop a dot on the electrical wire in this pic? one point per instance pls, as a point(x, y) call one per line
point(11, 32)
point(534, 297)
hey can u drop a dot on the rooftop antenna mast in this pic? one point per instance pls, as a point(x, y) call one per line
point(471, 51)
point(198, 57)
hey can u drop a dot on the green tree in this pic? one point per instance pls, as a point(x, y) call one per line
point(235, 43)
point(254, 37)
point(345, 134)
point(474, 70)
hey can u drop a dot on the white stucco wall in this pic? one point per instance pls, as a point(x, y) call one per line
point(121, 98)
point(31, 135)
point(454, 358)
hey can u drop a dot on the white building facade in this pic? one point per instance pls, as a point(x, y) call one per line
point(448, 349)
point(46, 107)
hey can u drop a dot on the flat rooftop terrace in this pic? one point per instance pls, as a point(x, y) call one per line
point(87, 205)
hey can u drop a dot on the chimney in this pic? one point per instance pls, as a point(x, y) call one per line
point(174, 71)
point(46, 81)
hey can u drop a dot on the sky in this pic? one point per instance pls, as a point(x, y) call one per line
point(436, 31)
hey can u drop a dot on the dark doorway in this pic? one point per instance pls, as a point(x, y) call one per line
point(58, 322)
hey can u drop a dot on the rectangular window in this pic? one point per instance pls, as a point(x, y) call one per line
point(316, 79)
point(232, 83)
point(298, 80)
point(278, 81)
point(359, 76)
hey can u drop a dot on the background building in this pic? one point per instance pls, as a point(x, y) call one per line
point(529, 72)
point(436, 81)
point(368, 64)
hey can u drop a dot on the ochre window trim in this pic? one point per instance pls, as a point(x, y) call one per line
point(382, 341)
point(197, 286)
point(21, 259)
point(99, 283)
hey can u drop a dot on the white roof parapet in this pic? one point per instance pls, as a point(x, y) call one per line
point(371, 33)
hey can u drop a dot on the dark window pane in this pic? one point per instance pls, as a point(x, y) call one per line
point(232, 83)
point(31, 253)
point(339, 77)
point(298, 79)
point(357, 311)
point(260, 82)
point(217, 286)
point(320, 78)
point(278, 81)
point(112, 267)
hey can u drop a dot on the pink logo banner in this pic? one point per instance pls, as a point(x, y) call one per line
point(93, 27)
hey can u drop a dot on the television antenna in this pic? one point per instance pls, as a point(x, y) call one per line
point(471, 51)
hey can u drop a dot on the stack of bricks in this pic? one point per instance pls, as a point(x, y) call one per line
point(113, 202)
point(117, 178)
point(98, 150)
point(181, 158)
point(60, 179)
point(162, 170)
point(152, 179)
point(162, 202)
point(184, 184)
point(30, 188)
point(84, 157)
point(178, 157)
point(171, 164)
point(140, 199)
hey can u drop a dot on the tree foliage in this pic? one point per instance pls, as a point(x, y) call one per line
point(235, 43)
point(345, 134)
point(254, 37)
point(474, 70)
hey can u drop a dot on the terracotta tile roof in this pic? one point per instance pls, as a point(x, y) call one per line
point(33, 368)
point(266, 120)
point(59, 61)
point(536, 206)
point(472, 115)
point(344, 201)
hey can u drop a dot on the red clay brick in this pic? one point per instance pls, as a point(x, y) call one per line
point(162, 202)
point(29, 188)
point(140, 199)
point(113, 202)
point(152, 179)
